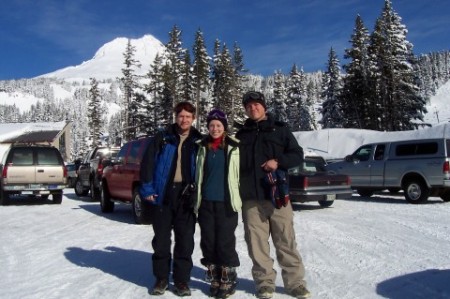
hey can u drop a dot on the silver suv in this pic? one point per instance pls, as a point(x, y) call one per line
point(33, 170)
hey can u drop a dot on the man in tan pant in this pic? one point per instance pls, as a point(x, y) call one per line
point(268, 145)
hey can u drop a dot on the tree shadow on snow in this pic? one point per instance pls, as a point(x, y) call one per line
point(135, 267)
point(432, 283)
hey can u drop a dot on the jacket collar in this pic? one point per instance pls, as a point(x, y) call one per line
point(228, 140)
point(193, 132)
point(267, 124)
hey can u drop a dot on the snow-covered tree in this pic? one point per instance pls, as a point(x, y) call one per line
point(299, 106)
point(201, 73)
point(175, 59)
point(332, 116)
point(358, 95)
point(159, 110)
point(94, 114)
point(401, 104)
point(129, 82)
point(279, 98)
point(224, 81)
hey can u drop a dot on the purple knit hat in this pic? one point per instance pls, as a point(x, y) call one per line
point(218, 115)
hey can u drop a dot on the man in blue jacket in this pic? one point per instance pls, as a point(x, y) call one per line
point(167, 176)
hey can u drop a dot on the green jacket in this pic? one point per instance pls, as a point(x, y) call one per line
point(233, 164)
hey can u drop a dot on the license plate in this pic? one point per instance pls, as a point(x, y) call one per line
point(35, 186)
point(331, 197)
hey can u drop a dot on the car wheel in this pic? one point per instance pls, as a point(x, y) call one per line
point(4, 198)
point(79, 189)
point(141, 209)
point(106, 204)
point(44, 196)
point(325, 203)
point(416, 192)
point(365, 193)
point(57, 198)
point(95, 192)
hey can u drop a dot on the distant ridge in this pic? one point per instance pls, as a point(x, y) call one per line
point(107, 62)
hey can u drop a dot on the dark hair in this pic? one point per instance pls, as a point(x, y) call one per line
point(184, 106)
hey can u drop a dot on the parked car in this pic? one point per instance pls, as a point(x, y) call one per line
point(91, 170)
point(421, 168)
point(72, 174)
point(34, 170)
point(121, 181)
point(311, 182)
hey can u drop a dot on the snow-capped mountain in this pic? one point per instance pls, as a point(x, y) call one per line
point(108, 61)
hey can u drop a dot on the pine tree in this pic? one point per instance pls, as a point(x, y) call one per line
point(129, 85)
point(216, 75)
point(175, 59)
point(279, 98)
point(187, 79)
point(358, 95)
point(224, 82)
point(299, 106)
point(332, 116)
point(94, 114)
point(238, 112)
point(201, 73)
point(399, 98)
point(159, 113)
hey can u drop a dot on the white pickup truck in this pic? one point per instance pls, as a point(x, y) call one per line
point(420, 168)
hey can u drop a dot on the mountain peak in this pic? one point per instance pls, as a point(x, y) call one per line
point(107, 62)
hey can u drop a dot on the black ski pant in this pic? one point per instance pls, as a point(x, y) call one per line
point(218, 241)
point(179, 216)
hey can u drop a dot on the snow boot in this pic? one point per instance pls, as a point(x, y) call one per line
point(213, 276)
point(228, 282)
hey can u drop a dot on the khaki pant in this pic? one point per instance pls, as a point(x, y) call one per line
point(262, 220)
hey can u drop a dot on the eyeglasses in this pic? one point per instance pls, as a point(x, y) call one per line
point(253, 95)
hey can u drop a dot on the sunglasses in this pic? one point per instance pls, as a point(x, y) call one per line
point(253, 95)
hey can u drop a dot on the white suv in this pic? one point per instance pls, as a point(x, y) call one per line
point(32, 169)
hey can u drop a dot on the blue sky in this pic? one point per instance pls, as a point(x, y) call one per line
point(42, 36)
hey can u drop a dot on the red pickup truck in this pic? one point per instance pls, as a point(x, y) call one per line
point(121, 181)
point(311, 182)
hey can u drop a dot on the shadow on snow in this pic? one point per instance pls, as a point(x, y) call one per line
point(431, 283)
point(135, 267)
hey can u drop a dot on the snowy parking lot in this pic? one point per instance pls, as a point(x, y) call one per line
point(378, 247)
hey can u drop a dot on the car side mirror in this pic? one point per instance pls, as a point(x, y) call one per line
point(349, 158)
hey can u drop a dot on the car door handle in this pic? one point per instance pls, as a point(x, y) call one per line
point(40, 170)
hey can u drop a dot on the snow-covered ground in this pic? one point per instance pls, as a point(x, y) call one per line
point(379, 247)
